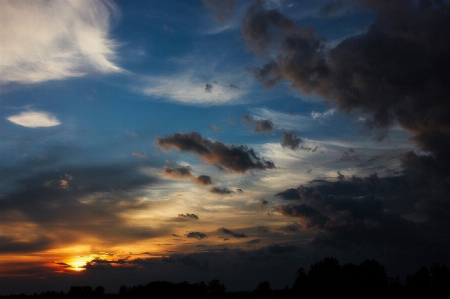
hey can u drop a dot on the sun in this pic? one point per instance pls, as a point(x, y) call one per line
point(77, 265)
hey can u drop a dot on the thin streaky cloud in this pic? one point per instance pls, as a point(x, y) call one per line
point(191, 88)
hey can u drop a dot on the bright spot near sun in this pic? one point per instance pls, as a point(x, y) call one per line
point(77, 265)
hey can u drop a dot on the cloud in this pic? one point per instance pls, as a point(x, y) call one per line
point(350, 156)
point(217, 190)
point(386, 73)
point(189, 216)
point(291, 228)
point(34, 119)
point(254, 241)
point(259, 125)
point(227, 157)
point(281, 249)
point(43, 215)
point(214, 128)
point(191, 88)
point(203, 180)
point(322, 115)
point(367, 211)
point(223, 9)
point(139, 155)
point(226, 231)
point(334, 8)
point(63, 40)
point(289, 194)
point(263, 202)
point(185, 173)
point(177, 173)
point(290, 140)
point(196, 235)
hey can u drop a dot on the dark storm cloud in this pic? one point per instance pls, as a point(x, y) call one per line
point(217, 190)
point(227, 157)
point(223, 9)
point(363, 211)
point(394, 72)
point(291, 228)
point(193, 263)
point(315, 219)
point(226, 231)
point(259, 125)
point(196, 235)
point(289, 194)
point(189, 216)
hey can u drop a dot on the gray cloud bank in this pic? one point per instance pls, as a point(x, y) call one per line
point(63, 207)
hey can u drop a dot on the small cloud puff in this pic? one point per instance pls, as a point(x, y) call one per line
point(34, 119)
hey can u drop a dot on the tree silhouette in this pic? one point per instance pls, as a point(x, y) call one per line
point(440, 281)
point(301, 284)
point(374, 279)
point(418, 285)
point(123, 291)
point(98, 292)
point(263, 289)
point(215, 287)
point(324, 278)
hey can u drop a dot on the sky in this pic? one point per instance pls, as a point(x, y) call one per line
point(231, 140)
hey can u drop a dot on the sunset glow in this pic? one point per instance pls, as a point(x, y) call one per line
point(218, 139)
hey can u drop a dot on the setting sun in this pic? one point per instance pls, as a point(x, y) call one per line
point(78, 264)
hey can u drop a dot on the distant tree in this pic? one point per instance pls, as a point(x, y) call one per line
point(301, 283)
point(99, 292)
point(395, 288)
point(75, 291)
point(418, 285)
point(324, 278)
point(86, 292)
point(215, 287)
point(123, 291)
point(352, 281)
point(263, 289)
point(374, 279)
point(440, 281)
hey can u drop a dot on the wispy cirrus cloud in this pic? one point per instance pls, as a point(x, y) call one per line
point(192, 88)
point(34, 119)
point(322, 115)
point(64, 39)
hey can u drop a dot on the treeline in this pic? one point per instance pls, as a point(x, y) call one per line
point(323, 279)
point(369, 280)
